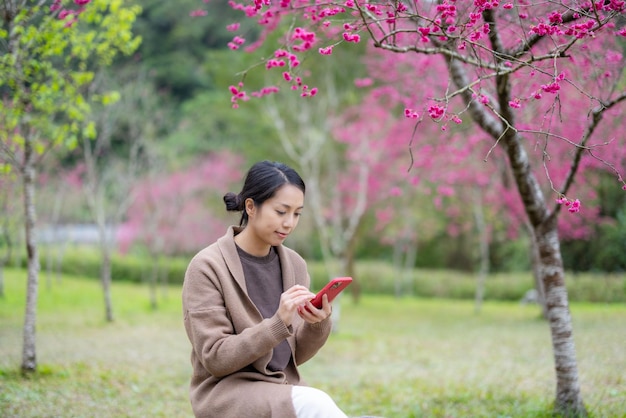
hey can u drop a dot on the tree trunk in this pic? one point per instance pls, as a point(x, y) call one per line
point(105, 266)
point(29, 352)
point(344, 267)
point(568, 399)
point(1, 281)
point(58, 239)
point(153, 281)
point(105, 278)
point(409, 266)
point(483, 271)
point(397, 267)
point(536, 267)
point(404, 256)
point(544, 223)
point(164, 281)
point(6, 258)
point(58, 270)
point(348, 268)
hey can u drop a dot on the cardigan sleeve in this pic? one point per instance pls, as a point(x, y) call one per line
point(210, 330)
point(310, 338)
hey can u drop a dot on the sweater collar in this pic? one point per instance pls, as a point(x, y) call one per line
point(231, 257)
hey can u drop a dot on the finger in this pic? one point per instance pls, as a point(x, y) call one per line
point(298, 294)
point(308, 312)
point(303, 299)
point(294, 292)
point(296, 288)
point(319, 313)
point(311, 314)
point(326, 306)
point(325, 300)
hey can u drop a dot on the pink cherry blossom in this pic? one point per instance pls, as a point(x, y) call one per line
point(198, 13)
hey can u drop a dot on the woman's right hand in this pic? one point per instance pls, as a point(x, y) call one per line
point(291, 300)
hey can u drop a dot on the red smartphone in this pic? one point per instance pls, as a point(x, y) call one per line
point(332, 289)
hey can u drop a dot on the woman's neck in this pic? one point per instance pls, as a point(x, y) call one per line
point(252, 246)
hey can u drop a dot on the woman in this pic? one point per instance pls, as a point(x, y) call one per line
point(247, 309)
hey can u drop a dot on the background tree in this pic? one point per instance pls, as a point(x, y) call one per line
point(499, 58)
point(57, 189)
point(109, 172)
point(9, 236)
point(346, 172)
point(44, 58)
point(179, 212)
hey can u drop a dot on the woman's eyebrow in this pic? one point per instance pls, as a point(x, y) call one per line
point(289, 207)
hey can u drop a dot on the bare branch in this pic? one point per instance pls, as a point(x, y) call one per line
point(596, 116)
point(11, 158)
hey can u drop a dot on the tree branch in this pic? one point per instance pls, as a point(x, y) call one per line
point(530, 192)
point(525, 46)
point(596, 117)
point(477, 111)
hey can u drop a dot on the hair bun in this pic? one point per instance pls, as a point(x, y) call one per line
point(233, 202)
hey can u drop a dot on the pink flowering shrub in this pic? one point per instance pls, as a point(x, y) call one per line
point(171, 212)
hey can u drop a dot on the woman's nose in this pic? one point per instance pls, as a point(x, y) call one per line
point(289, 221)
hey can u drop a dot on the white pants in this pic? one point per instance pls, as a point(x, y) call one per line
point(314, 403)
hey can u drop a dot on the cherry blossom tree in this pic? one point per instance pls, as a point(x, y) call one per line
point(517, 71)
point(345, 166)
point(476, 181)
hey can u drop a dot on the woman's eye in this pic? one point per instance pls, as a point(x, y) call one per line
point(280, 212)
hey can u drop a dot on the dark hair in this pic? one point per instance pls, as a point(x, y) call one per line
point(261, 183)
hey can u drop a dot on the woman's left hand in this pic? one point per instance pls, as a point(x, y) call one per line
point(313, 315)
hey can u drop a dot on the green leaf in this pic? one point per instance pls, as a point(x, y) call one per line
point(5, 168)
point(90, 130)
point(110, 98)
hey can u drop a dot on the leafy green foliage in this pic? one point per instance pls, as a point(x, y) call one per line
point(175, 45)
point(45, 67)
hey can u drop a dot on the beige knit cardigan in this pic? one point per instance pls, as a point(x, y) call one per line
point(232, 343)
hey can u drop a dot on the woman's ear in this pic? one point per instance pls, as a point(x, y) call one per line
point(250, 207)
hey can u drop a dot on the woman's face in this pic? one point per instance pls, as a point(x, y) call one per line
point(276, 218)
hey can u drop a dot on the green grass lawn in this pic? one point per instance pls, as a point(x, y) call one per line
point(390, 357)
